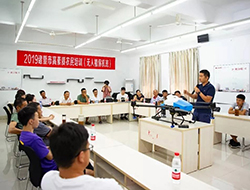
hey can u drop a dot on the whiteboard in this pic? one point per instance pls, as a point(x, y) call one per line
point(129, 85)
point(10, 79)
point(232, 78)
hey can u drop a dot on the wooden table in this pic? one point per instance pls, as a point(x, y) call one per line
point(194, 144)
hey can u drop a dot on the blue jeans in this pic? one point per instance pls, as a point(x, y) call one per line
point(203, 117)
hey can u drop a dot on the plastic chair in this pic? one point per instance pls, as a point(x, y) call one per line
point(10, 106)
point(35, 174)
point(8, 113)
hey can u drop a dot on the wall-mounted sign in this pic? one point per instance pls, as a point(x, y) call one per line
point(58, 60)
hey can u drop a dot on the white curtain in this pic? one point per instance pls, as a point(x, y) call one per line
point(184, 70)
point(149, 74)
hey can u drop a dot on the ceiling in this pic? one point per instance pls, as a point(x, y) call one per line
point(81, 21)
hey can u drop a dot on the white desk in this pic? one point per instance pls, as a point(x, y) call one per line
point(138, 171)
point(131, 168)
point(143, 111)
point(93, 110)
point(233, 125)
point(194, 144)
point(100, 142)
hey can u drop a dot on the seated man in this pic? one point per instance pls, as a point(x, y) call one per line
point(45, 101)
point(83, 98)
point(164, 95)
point(71, 150)
point(155, 98)
point(66, 99)
point(243, 110)
point(178, 94)
point(95, 99)
point(123, 97)
point(138, 96)
point(28, 117)
point(30, 98)
point(15, 127)
point(42, 130)
point(20, 94)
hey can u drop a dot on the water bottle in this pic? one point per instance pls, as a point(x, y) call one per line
point(176, 168)
point(93, 133)
point(41, 105)
point(144, 100)
point(237, 111)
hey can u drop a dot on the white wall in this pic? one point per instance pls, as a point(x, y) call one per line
point(223, 48)
point(8, 52)
point(227, 51)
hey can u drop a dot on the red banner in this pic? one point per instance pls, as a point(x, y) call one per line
point(57, 60)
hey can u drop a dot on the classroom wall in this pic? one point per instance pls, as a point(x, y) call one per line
point(8, 52)
point(224, 48)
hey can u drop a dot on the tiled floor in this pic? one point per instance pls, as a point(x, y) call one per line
point(230, 171)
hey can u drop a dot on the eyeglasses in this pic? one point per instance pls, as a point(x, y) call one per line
point(91, 147)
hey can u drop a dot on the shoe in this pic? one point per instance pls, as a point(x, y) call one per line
point(234, 144)
point(87, 123)
point(121, 118)
point(125, 118)
point(100, 122)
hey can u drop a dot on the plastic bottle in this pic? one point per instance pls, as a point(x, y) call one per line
point(41, 105)
point(176, 168)
point(93, 133)
point(237, 111)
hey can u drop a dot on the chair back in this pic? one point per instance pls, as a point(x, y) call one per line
point(10, 108)
point(35, 169)
point(8, 114)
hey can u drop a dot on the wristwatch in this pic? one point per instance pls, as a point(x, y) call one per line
point(198, 93)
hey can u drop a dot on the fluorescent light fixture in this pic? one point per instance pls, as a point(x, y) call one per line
point(145, 46)
point(128, 50)
point(111, 31)
point(25, 19)
point(233, 24)
point(93, 39)
point(200, 32)
point(167, 6)
point(167, 40)
point(136, 19)
point(7, 23)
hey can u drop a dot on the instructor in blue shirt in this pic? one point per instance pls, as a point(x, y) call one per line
point(204, 93)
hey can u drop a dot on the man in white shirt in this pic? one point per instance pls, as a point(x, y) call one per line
point(66, 99)
point(155, 98)
point(123, 97)
point(71, 150)
point(95, 99)
point(45, 101)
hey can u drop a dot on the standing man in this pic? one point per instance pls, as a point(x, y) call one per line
point(106, 89)
point(204, 93)
point(83, 98)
